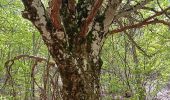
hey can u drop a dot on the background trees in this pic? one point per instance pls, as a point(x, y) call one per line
point(136, 61)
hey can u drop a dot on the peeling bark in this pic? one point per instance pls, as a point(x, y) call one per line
point(76, 56)
point(74, 34)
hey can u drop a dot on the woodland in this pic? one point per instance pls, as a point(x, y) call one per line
point(84, 49)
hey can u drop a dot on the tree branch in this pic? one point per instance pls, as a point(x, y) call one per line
point(37, 59)
point(137, 46)
point(139, 25)
point(55, 13)
point(147, 21)
point(9, 63)
point(150, 9)
point(35, 12)
point(110, 13)
point(134, 8)
point(133, 41)
point(90, 17)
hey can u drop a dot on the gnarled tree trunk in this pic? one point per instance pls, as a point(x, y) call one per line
point(79, 67)
point(74, 34)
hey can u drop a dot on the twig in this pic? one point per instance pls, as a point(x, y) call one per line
point(133, 41)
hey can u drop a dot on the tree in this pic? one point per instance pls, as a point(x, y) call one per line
point(75, 31)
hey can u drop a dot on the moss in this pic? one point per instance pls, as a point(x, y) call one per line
point(90, 37)
point(82, 10)
point(100, 19)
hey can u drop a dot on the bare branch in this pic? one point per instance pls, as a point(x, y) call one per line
point(147, 21)
point(150, 9)
point(38, 59)
point(134, 42)
point(90, 17)
point(137, 46)
point(139, 25)
point(157, 14)
point(162, 9)
point(9, 63)
point(134, 8)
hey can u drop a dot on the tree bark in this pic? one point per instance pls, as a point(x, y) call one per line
point(80, 81)
point(74, 39)
point(79, 70)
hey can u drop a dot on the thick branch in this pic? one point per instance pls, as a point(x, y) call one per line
point(35, 12)
point(90, 17)
point(55, 13)
point(110, 13)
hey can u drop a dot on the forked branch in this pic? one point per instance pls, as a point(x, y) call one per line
point(35, 12)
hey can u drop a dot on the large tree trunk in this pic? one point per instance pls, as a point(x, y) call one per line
point(74, 37)
point(79, 69)
point(80, 78)
point(76, 56)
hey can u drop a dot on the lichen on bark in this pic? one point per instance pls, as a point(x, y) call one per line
point(77, 56)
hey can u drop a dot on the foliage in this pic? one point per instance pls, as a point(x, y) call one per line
point(119, 68)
